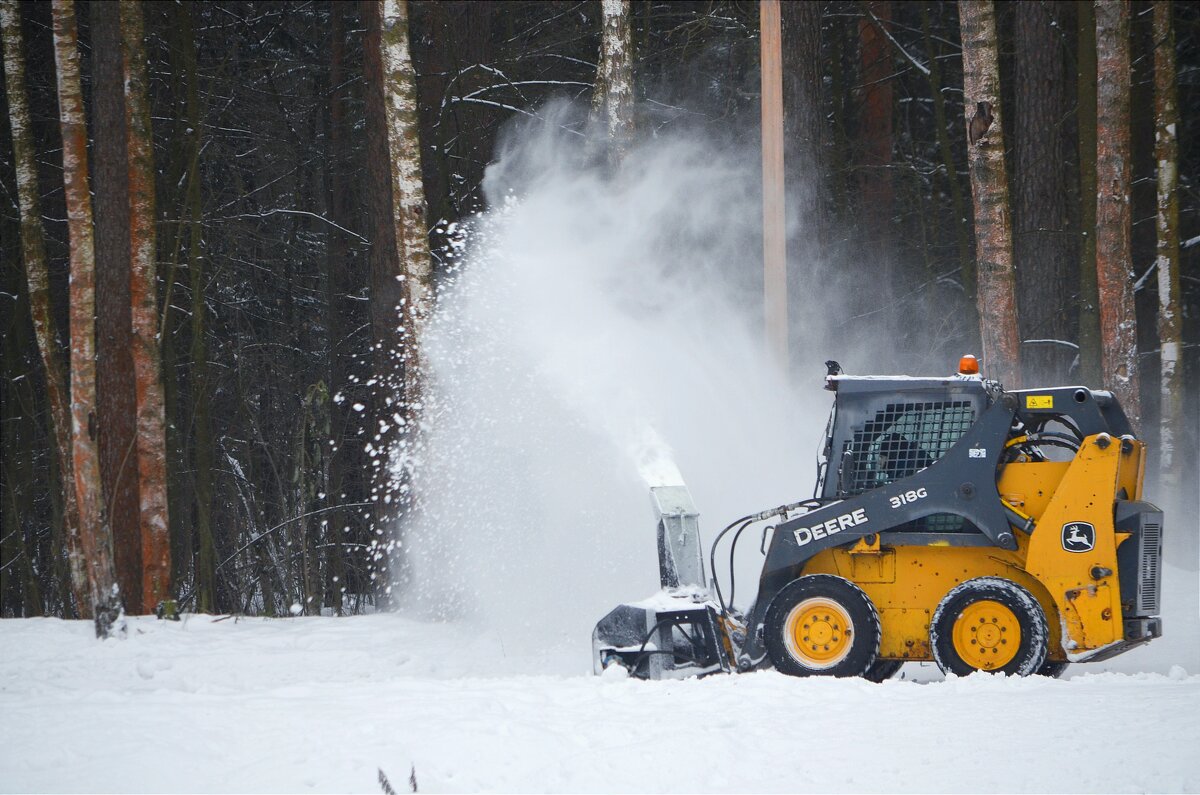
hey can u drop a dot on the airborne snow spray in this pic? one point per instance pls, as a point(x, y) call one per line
point(600, 334)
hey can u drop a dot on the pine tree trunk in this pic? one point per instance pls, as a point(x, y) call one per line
point(147, 357)
point(1114, 277)
point(1041, 250)
point(996, 296)
point(336, 272)
point(612, 98)
point(94, 532)
point(117, 410)
point(775, 272)
point(37, 276)
point(962, 226)
point(1089, 301)
point(1170, 320)
point(877, 192)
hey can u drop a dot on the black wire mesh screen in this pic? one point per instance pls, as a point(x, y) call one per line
point(901, 440)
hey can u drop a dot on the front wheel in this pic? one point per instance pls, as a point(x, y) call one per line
point(821, 625)
point(989, 624)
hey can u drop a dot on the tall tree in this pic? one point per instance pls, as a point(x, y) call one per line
point(996, 295)
point(93, 525)
point(1041, 248)
point(143, 290)
point(875, 133)
point(1170, 320)
point(775, 275)
point(804, 135)
point(37, 277)
point(962, 231)
point(1089, 301)
point(115, 393)
point(400, 262)
point(612, 98)
point(1114, 170)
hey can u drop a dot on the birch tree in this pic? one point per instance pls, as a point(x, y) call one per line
point(996, 294)
point(94, 534)
point(612, 98)
point(143, 291)
point(1114, 278)
point(37, 276)
point(400, 262)
point(1170, 321)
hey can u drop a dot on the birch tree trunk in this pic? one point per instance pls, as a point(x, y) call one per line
point(996, 295)
point(115, 393)
point(94, 534)
point(143, 291)
point(612, 98)
point(1170, 320)
point(400, 262)
point(37, 276)
point(1114, 278)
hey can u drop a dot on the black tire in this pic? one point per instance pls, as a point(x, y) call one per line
point(1052, 669)
point(882, 670)
point(989, 599)
point(845, 628)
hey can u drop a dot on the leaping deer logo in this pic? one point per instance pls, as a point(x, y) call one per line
point(1078, 537)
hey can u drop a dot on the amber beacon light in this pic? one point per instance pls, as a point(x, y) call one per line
point(968, 365)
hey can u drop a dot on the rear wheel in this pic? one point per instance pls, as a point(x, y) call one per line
point(821, 625)
point(989, 624)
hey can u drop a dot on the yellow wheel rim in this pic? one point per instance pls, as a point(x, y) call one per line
point(818, 633)
point(987, 635)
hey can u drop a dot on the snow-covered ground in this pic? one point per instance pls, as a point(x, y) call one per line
point(324, 704)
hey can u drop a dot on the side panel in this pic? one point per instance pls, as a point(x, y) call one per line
point(906, 583)
point(1073, 551)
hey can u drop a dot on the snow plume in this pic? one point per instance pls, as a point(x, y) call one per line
point(600, 333)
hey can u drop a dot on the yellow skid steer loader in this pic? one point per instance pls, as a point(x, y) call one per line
point(953, 521)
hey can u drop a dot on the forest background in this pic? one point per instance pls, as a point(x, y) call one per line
point(266, 314)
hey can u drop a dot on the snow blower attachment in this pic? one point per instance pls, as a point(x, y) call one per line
point(953, 521)
point(677, 632)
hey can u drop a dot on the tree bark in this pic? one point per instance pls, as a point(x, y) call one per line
point(1041, 249)
point(961, 221)
point(400, 263)
point(612, 98)
point(877, 192)
point(1089, 300)
point(37, 277)
point(94, 532)
point(996, 296)
point(1170, 320)
point(143, 289)
point(117, 410)
point(1114, 277)
point(775, 274)
point(336, 273)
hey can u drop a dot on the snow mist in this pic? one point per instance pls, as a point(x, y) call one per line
point(601, 333)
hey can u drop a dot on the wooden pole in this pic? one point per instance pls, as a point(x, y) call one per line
point(774, 239)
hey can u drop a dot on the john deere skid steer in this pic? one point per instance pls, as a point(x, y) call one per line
point(953, 521)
